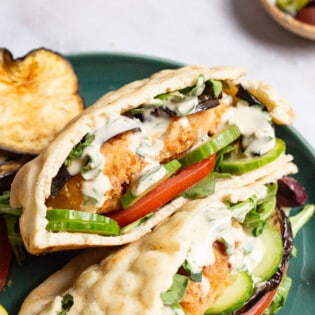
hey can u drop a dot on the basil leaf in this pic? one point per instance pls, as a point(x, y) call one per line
point(5, 207)
point(217, 87)
point(256, 218)
point(197, 277)
point(163, 97)
point(15, 238)
point(200, 86)
point(202, 189)
point(177, 290)
point(77, 150)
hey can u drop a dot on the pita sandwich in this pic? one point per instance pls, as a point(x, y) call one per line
point(201, 260)
point(126, 163)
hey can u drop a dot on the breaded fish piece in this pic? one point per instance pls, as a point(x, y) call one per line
point(122, 165)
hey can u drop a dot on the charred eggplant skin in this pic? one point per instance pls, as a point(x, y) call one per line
point(10, 163)
point(273, 283)
point(245, 95)
point(39, 74)
point(59, 180)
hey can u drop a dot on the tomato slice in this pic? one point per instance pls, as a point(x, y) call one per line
point(262, 304)
point(165, 192)
point(5, 254)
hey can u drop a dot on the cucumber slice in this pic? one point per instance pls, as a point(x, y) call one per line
point(74, 215)
point(216, 143)
point(149, 181)
point(273, 252)
point(243, 165)
point(234, 296)
point(109, 228)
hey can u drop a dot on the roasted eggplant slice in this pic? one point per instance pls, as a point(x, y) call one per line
point(38, 97)
point(274, 282)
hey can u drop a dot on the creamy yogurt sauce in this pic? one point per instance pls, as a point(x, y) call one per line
point(147, 179)
point(213, 223)
point(205, 286)
point(255, 126)
point(249, 252)
point(93, 191)
point(149, 142)
point(96, 184)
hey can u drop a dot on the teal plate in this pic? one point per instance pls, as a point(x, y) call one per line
point(100, 73)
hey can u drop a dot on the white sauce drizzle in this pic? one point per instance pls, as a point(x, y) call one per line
point(205, 287)
point(255, 126)
point(185, 106)
point(96, 184)
point(150, 141)
point(94, 191)
point(248, 253)
point(75, 167)
point(184, 122)
point(213, 223)
point(147, 179)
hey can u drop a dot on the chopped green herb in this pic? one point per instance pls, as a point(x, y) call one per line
point(77, 150)
point(202, 189)
point(217, 87)
point(5, 207)
point(15, 238)
point(200, 86)
point(197, 277)
point(66, 303)
point(177, 290)
point(11, 216)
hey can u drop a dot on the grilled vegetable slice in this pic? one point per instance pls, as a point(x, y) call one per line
point(38, 97)
point(10, 163)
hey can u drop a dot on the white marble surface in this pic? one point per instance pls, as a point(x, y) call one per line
point(229, 32)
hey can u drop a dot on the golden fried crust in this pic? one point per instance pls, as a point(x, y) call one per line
point(122, 165)
point(38, 97)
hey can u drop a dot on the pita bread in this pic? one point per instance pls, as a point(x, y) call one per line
point(31, 186)
point(97, 281)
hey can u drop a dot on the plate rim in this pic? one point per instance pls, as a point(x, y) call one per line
point(291, 130)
